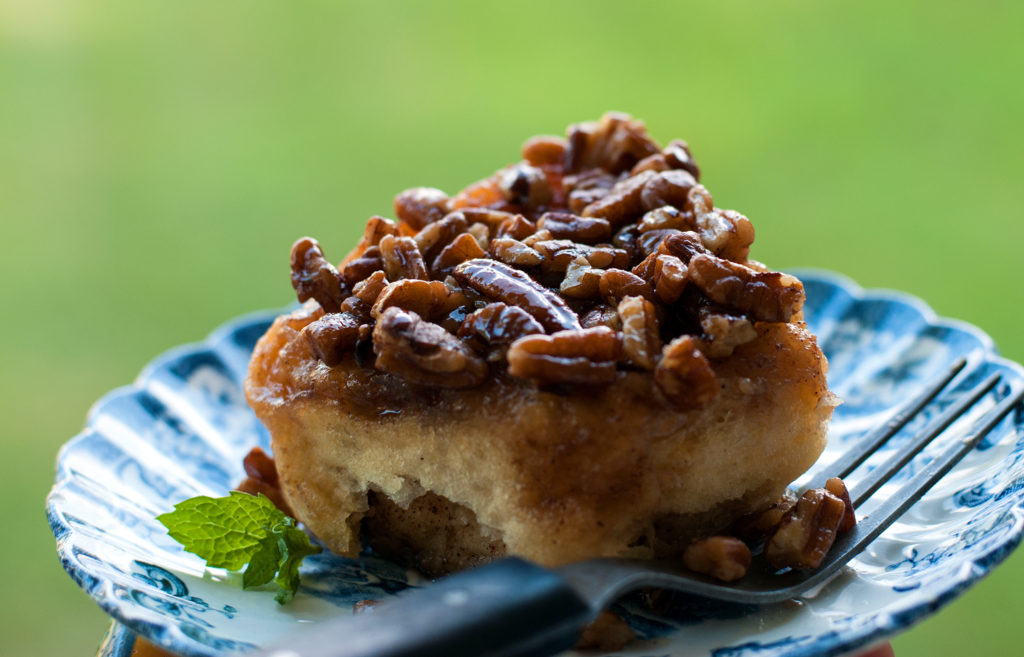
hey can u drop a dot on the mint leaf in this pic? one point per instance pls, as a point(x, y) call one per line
point(295, 547)
point(241, 530)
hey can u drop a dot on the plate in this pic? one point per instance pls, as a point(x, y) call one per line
point(183, 428)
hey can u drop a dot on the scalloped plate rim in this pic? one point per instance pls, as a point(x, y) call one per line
point(826, 645)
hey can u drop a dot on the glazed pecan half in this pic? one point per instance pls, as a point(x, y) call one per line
point(425, 353)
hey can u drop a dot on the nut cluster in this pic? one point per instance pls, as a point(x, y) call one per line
point(597, 253)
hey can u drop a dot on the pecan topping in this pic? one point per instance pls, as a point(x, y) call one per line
point(614, 144)
point(359, 268)
point(500, 282)
point(807, 531)
point(462, 248)
point(725, 558)
point(726, 233)
point(565, 225)
point(581, 280)
point(420, 206)
point(376, 228)
point(615, 236)
point(622, 202)
point(677, 155)
point(517, 227)
point(515, 253)
point(617, 284)
point(764, 296)
point(425, 353)
point(332, 336)
point(315, 278)
point(684, 374)
point(425, 298)
point(641, 341)
point(724, 333)
point(762, 524)
point(602, 315)
point(525, 186)
point(439, 234)
point(261, 478)
point(493, 328)
point(544, 149)
point(667, 188)
point(837, 487)
point(666, 217)
point(669, 278)
point(401, 258)
point(580, 356)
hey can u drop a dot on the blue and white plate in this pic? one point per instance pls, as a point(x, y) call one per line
point(183, 428)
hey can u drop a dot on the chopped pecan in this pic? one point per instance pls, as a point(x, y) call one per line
point(622, 202)
point(401, 258)
point(677, 155)
point(683, 245)
point(699, 201)
point(806, 532)
point(332, 336)
point(725, 558)
point(587, 187)
point(517, 227)
point(602, 315)
point(723, 333)
point(425, 298)
point(684, 374)
point(538, 236)
point(667, 188)
point(525, 186)
point(651, 241)
point(764, 296)
point(359, 268)
point(364, 295)
point(581, 280)
point(559, 253)
point(493, 328)
point(497, 281)
point(666, 217)
point(837, 487)
point(641, 341)
point(606, 633)
point(376, 228)
point(726, 233)
point(565, 225)
point(616, 284)
point(580, 356)
point(425, 353)
point(669, 277)
point(615, 144)
point(625, 239)
point(490, 217)
point(262, 479)
point(760, 525)
point(462, 248)
point(439, 234)
point(481, 233)
point(657, 162)
point(544, 149)
point(420, 206)
point(313, 277)
point(485, 194)
point(513, 252)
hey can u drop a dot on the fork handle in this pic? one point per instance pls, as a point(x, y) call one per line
point(509, 608)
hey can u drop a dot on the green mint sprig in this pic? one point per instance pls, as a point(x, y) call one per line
point(243, 530)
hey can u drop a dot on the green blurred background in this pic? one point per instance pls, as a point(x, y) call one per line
point(157, 159)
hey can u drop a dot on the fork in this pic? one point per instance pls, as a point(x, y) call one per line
point(513, 608)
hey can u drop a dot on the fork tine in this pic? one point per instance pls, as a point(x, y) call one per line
point(868, 445)
point(873, 481)
point(869, 527)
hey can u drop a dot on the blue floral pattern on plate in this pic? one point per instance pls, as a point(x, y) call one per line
point(183, 427)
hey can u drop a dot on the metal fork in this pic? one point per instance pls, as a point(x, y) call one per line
point(513, 608)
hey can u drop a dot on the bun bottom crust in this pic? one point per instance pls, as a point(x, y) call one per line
point(445, 479)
